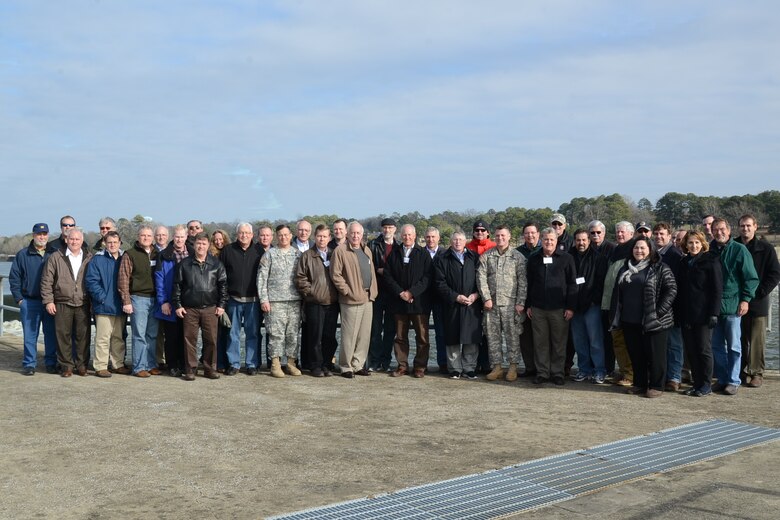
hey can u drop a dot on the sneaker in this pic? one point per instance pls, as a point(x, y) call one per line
point(700, 393)
point(730, 389)
point(251, 371)
point(454, 375)
point(580, 377)
point(231, 371)
point(174, 372)
point(599, 380)
point(471, 375)
point(28, 371)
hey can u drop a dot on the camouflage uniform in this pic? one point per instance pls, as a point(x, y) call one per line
point(276, 285)
point(502, 279)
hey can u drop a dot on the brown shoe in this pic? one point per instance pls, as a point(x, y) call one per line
point(121, 370)
point(398, 372)
point(672, 386)
point(188, 377)
point(635, 390)
point(210, 375)
point(82, 371)
point(155, 372)
point(624, 382)
point(142, 373)
point(103, 373)
point(67, 372)
point(419, 373)
point(756, 381)
point(652, 393)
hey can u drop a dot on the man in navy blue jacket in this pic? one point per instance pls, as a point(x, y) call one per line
point(25, 279)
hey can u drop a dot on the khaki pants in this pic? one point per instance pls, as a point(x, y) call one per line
point(621, 354)
point(420, 324)
point(109, 344)
point(355, 335)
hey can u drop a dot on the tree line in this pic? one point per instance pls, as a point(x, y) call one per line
point(681, 210)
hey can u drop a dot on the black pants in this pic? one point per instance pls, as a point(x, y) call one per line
point(698, 346)
point(320, 334)
point(647, 351)
point(174, 343)
point(609, 350)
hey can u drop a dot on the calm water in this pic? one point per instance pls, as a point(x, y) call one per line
point(772, 350)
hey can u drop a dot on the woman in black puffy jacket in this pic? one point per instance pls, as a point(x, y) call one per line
point(642, 303)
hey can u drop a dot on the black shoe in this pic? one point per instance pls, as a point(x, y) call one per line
point(28, 371)
point(51, 369)
point(251, 371)
point(454, 375)
point(348, 375)
point(231, 371)
point(558, 380)
point(538, 380)
point(363, 372)
point(471, 375)
point(326, 372)
point(317, 372)
point(527, 373)
point(174, 372)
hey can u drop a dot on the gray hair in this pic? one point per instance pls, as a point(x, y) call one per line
point(548, 231)
point(107, 220)
point(433, 229)
point(596, 224)
point(458, 233)
point(624, 225)
point(145, 227)
point(244, 224)
point(77, 229)
point(355, 223)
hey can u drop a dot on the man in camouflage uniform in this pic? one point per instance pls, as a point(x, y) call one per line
point(280, 301)
point(502, 285)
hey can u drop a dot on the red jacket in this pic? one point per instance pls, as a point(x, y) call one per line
point(480, 246)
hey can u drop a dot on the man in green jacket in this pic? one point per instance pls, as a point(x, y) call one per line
point(740, 281)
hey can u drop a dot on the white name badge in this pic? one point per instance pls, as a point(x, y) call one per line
point(580, 280)
point(326, 263)
point(153, 262)
point(547, 260)
point(406, 259)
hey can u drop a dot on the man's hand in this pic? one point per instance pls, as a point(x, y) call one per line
point(265, 306)
point(220, 311)
point(519, 309)
point(180, 312)
point(568, 314)
point(166, 308)
point(127, 309)
point(742, 309)
point(51, 308)
point(488, 305)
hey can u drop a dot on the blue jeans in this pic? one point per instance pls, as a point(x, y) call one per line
point(33, 313)
point(727, 349)
point(249, 313)
point(674, 355)
point(144, 327)
point(588, 337)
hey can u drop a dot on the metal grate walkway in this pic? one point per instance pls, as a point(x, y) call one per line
point(553, 479)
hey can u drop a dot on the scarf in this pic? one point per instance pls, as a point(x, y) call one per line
point(633, 269)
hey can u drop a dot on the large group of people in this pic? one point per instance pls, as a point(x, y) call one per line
point(639, 312)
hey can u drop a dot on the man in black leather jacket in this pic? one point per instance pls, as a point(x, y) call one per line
point(200, 296)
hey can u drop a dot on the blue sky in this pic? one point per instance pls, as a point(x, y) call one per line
point(238, 110)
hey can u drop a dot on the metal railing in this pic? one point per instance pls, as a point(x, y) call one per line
point(3, 306)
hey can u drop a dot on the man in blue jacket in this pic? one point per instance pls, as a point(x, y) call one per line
point(101, 281)
point(25, 279)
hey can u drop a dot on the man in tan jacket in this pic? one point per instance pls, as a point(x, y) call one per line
point(353, 275)
point(64, 295)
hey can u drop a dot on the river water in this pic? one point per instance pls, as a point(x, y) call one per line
point(772, 345)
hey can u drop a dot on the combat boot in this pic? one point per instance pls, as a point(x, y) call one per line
point(497, 373)
point(276, 368)
point(511, 374)
point(291, 368)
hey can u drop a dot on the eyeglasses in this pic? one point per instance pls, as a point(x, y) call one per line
point(480, 230)
point(67, 225)
point(556, 224)
point(194, 227)
point(596, 232)
point(105, 228)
